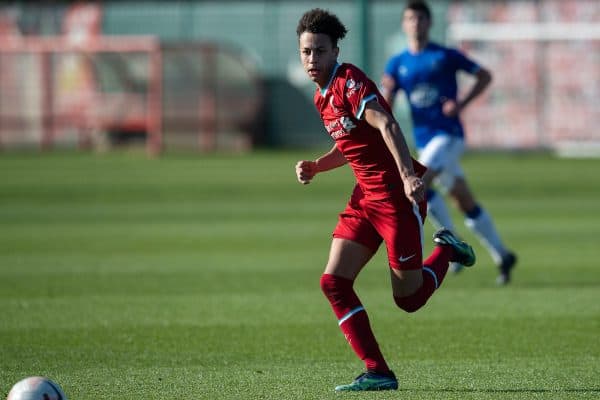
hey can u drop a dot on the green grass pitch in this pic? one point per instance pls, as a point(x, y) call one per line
point(196, 277)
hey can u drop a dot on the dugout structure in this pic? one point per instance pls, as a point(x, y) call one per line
point(57, 93)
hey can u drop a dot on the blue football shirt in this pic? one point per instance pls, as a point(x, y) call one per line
point(428, 78)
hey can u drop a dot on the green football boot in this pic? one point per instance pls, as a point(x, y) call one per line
point(371, 381)
point(463, 252)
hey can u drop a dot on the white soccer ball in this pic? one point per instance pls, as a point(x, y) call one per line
point(36, 388)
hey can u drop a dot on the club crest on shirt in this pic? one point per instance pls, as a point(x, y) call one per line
point(352, 87)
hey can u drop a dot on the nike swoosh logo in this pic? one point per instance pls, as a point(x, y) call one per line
point(403, 259)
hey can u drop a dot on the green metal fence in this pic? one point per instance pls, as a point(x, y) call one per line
point(266, 31)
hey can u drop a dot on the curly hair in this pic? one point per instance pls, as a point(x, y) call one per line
point(318, 20)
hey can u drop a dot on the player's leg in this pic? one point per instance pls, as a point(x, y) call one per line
point(441, 151)
point(413, 282)
point(480, 222)
point(434, 156)
point(428, 279)
point(411, 289)
point(355, 241)
point(438, 210)
point(346, 259)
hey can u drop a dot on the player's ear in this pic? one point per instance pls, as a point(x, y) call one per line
point(336, 51)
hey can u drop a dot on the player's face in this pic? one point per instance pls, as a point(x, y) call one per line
point(416, 24)
point(318, 56)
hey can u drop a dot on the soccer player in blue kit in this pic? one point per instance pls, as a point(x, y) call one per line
point(426, 73)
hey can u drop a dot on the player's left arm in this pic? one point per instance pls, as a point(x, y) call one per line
point(379, 118)
point(483, 77)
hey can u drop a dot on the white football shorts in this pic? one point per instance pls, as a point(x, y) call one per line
point(442, 154)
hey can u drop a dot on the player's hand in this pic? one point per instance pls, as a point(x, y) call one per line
point(305, 171)
point(450, 108)
point(414, 189)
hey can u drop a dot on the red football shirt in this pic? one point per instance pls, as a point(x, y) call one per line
point(341, 105)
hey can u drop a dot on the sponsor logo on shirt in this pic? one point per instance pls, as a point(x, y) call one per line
point(340, 127)
point(424, 95)
point(347, 123)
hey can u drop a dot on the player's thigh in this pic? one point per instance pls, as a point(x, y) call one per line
point(355, 240)
point(400, 224)
point(438, 151)
point(462, 195)
point(402, 232)
point(347, 258)
point(442, 158)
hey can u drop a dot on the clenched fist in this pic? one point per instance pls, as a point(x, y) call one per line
point(305, 171)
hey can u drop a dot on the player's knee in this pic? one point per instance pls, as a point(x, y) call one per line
point(410, 304)
point(333, 286)
point(327, 284)
point(474, 211)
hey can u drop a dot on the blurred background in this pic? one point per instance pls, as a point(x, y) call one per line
point(225, 75)
point(193, 273)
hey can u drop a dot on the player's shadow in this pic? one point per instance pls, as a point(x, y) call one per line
point(510, 390)
point(556, 285)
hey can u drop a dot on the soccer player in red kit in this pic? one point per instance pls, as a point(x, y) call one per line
point(387, 204)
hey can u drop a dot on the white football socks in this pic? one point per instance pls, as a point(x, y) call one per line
point(438, 214)
point(484, 229)
point(482, 226)
point(437, 211)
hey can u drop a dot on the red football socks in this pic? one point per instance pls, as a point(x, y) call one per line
point(353, 321)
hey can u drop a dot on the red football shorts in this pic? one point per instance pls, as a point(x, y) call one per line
point(394, 221)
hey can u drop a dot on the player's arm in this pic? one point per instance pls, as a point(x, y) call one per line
point(483, 77)
point(390, 130)
point(306, 170)
point(388, 89)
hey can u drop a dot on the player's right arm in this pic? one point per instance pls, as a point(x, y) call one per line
point(306, 170)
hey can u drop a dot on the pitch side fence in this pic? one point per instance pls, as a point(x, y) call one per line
point(58, 94)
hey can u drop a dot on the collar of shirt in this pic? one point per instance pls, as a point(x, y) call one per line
point(324, 90)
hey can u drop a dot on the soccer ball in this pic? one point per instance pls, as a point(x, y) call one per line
point(36, 388)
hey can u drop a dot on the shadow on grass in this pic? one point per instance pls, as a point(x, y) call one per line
point(516, 390)
point(556, 284)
